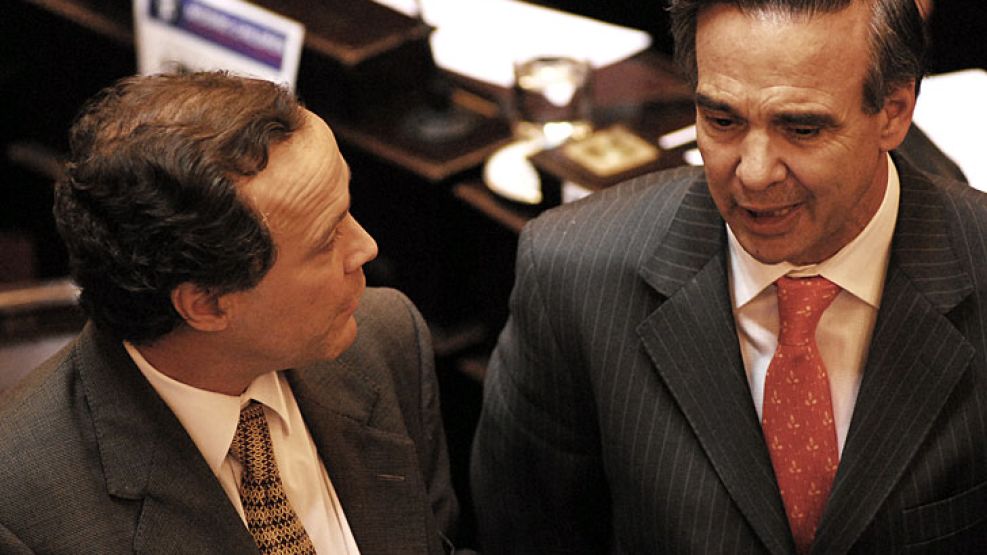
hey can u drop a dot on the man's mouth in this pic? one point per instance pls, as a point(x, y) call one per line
point(775, 213)
point(770, 220)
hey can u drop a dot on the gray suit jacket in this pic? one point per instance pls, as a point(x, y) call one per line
point(617, 413)
point(93, 461)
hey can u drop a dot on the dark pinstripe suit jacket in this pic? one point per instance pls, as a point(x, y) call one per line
point(93, 461)
point(617, 414)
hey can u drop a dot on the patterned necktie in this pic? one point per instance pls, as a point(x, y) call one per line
point(273, 524)
point(798, 411)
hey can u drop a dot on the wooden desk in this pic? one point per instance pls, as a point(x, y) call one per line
point(509, 214)
point(330, 31)
point(643, 93)
point(338, 39)
point(112, 20)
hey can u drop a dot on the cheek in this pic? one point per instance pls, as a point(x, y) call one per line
point(319, 281)
point(719, 178)
point(721, 198)
point(707, 148)
point(718, 160)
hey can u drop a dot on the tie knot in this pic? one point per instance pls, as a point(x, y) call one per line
point(801, 302)
point(252, 443)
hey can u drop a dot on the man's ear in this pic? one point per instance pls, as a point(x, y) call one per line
point(201, 308)
point(896, 115)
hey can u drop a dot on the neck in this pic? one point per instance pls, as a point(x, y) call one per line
point(199, 360)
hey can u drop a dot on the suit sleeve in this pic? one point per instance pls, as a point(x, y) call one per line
point(536, 473)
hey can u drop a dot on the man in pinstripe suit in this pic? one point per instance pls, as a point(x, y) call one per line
point(622, 405)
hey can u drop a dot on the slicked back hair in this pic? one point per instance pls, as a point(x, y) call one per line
point(150, 198)
point(897, 39)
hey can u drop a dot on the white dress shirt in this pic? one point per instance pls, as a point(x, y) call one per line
point(211, 419)
point(845, 329)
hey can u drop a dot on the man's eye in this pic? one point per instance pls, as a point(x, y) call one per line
point(328, 244)
point(720, 123)
point(332, 240)
point(804, 132)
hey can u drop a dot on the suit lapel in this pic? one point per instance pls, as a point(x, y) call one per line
point(374, 470)
point(187, 511)
point(148, 458)
point(693, 344)
point(911, 369)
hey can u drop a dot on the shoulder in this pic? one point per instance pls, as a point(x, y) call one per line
point(961, 206)
point(610, 229)
point(44, 438)
point(389, 328)
point(45, 392)
point(392, 356)
point(647, 195)
point(914, 179)
point(965, 212)
point(965, 196)
point(635, 209)
point(382, 306)
point(950, 218)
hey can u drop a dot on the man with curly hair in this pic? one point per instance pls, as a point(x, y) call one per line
point(208, 223)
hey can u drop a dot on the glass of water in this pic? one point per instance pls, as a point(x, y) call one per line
point(552, 99)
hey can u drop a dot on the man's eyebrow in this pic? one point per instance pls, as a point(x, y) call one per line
point(709, 103)
point(329, 231)
point(807, 119)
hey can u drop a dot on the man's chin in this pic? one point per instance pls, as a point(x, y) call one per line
point(767, 253)
point(343, 340)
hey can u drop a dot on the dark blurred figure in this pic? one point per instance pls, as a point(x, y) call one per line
point(649, 16)
point(957, 31)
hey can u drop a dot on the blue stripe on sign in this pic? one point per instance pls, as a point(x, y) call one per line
point(223, 29)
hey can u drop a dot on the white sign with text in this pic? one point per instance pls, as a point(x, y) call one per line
point(197, 35)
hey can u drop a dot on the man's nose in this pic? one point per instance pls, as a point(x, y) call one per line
point(363, 249)
point(759, 166)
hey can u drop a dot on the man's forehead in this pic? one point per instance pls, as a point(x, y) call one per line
point(792, 10)
point(306, 178)
point(828, 52)
point(854, 13)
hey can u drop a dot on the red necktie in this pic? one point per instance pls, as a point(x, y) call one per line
point(798, 411)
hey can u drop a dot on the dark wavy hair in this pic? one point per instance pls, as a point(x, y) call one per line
point(897, 38)
point(150, 198)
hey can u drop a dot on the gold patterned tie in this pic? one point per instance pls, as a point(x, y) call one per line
point(272, 522)
point(798, 410)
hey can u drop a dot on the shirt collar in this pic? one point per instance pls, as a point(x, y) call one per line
point(859, 267)
point(211, 418)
